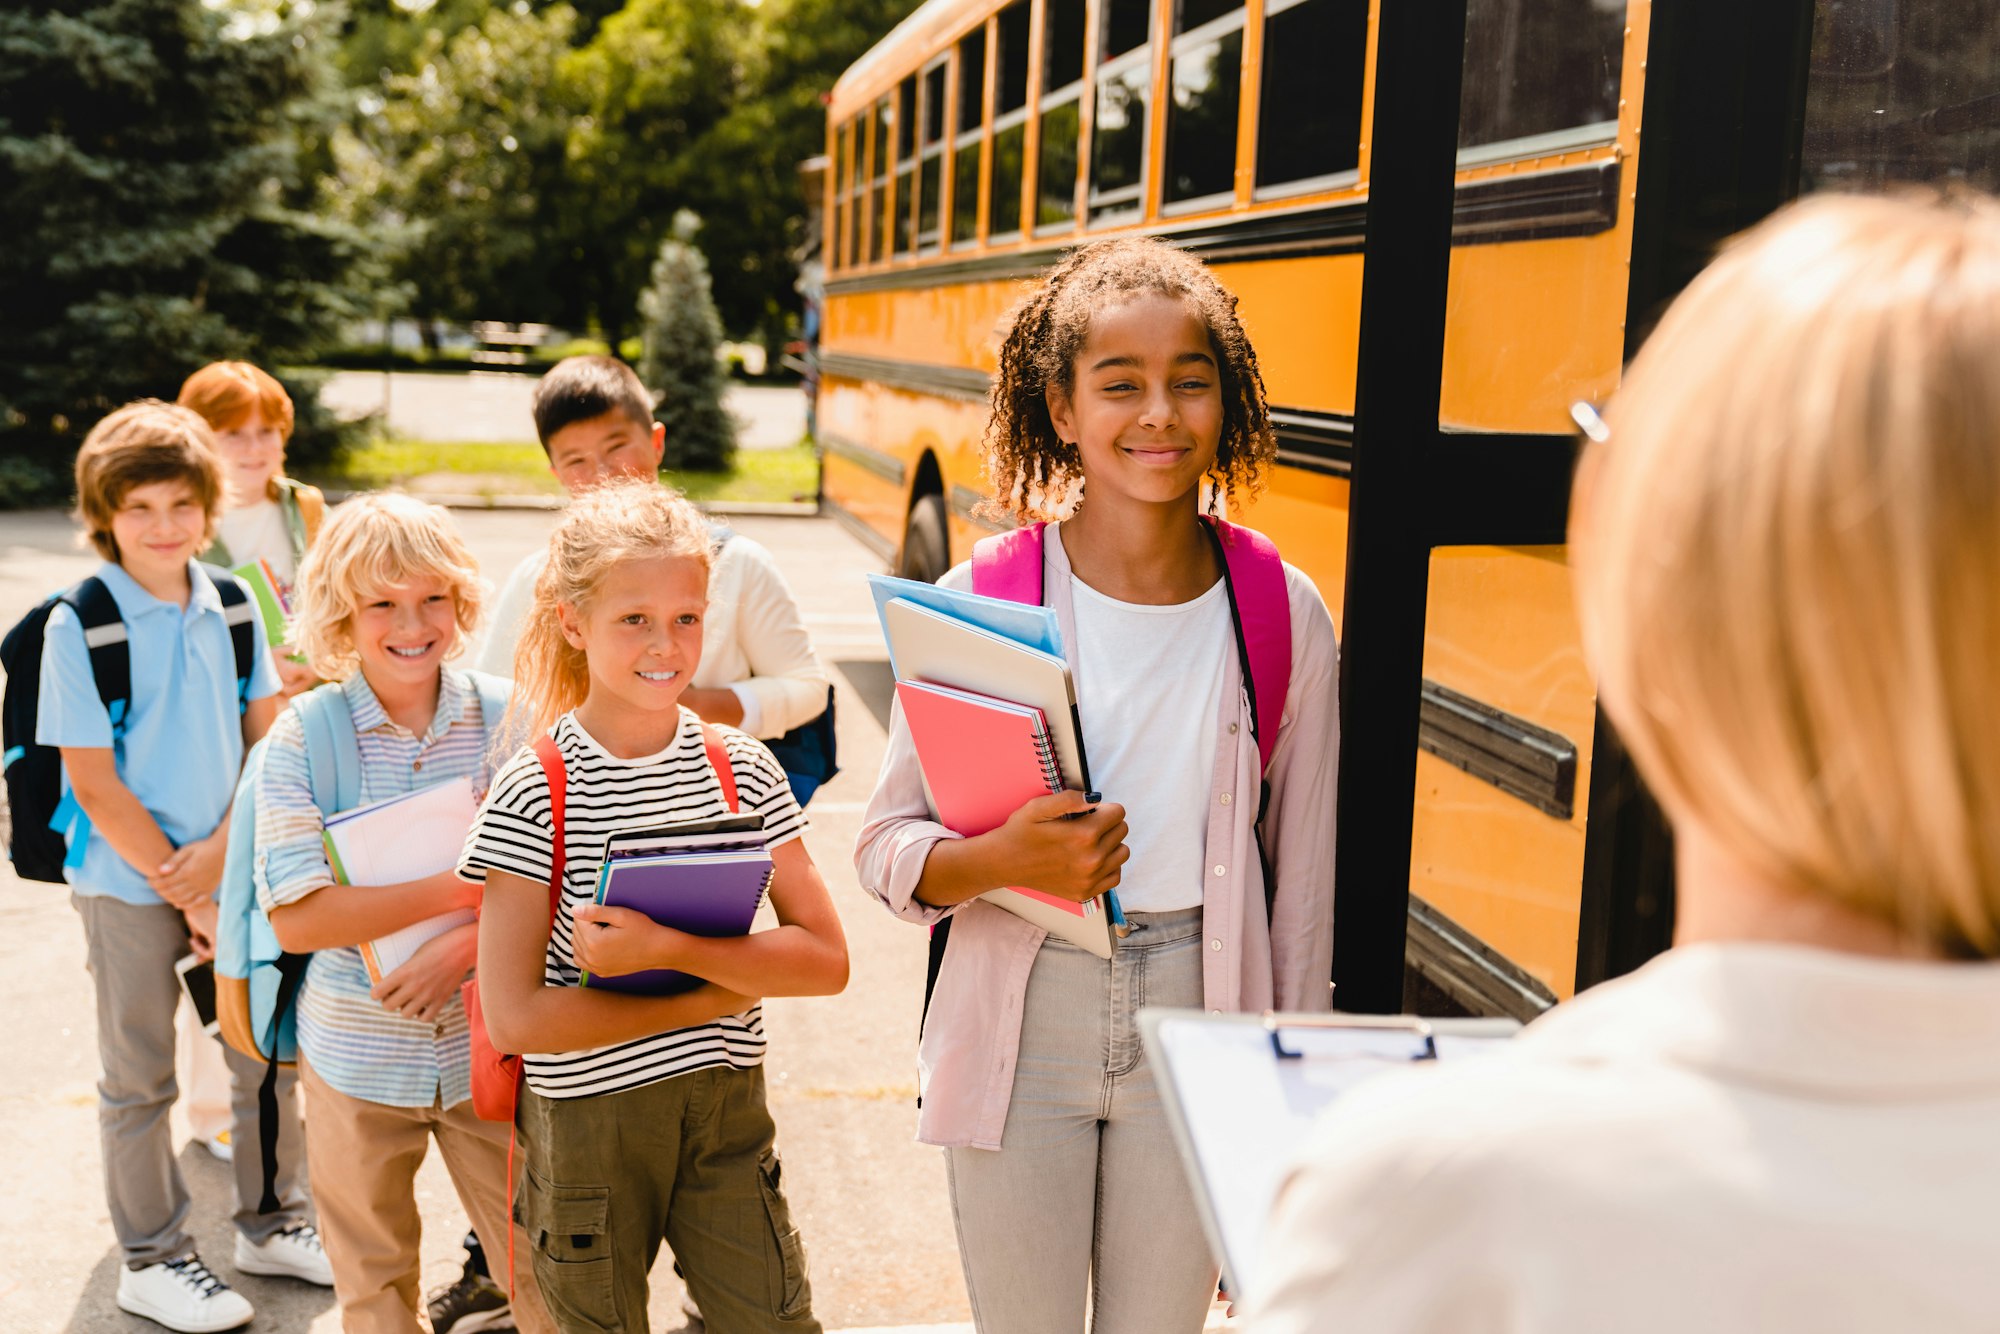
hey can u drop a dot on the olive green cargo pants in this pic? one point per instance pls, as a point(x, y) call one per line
point(689, 1160)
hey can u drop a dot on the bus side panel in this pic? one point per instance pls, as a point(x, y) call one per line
point(1502, 630)
point(953, 324)
point(863, 478)
point(1304, 318)
point(1305, 513)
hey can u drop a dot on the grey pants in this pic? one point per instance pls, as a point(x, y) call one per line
point(131, 950)
point(1085, 1204)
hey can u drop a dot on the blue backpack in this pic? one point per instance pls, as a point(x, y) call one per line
point(256, 979)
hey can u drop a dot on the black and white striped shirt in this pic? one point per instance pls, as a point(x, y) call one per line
point(515, 830)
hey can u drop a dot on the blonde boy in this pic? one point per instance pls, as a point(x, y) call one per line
point(385, 598)
point(153, 788)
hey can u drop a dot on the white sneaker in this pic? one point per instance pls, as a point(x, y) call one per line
point(182, 1295)
point(293, 1253)
point(219, 1147)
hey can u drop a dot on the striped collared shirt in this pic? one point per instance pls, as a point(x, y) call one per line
point(355, 1044)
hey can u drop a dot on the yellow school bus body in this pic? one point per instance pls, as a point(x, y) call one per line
point(1534, 324)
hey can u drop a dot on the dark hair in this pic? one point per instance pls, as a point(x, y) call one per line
point(142, 443)
point(577, 389)
point(1031, 467)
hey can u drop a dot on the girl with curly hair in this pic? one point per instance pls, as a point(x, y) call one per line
point(1126, 388)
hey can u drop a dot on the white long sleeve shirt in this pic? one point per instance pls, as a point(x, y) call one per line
point(754, 641)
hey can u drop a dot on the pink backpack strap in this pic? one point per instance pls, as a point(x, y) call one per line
point(1008, 565)
point(1263, 607)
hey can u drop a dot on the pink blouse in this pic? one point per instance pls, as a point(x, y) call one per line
point(973, 1033)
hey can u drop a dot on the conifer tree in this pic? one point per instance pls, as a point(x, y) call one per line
point(683, 334)
point(155, 207)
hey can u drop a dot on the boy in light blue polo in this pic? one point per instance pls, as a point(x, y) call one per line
point(152, 799)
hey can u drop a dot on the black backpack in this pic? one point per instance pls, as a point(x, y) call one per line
point(35, 799)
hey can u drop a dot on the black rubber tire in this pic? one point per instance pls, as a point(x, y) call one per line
point(926, 542)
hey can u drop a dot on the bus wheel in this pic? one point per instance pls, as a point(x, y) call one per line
point(926, 543)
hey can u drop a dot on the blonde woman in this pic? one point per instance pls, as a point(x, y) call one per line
point(385, 599)
point(1788, 567)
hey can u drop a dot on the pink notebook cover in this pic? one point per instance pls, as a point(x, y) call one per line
point(982, 759)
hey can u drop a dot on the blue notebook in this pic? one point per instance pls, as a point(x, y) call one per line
point(1033, 626)
point(702, 891)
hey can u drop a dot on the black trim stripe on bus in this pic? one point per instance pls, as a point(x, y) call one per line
point(1533, 206)
point(916, 376)
point(859, 528)
point(1513, 754)
point(1321, 442)
point(1471, 972)
point(884, 465)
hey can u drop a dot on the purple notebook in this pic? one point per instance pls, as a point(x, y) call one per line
point(704, 892)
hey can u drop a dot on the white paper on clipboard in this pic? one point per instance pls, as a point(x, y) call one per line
point(1240, 1110)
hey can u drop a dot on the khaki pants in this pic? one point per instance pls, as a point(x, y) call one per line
point(367, 1155)
point(693, 1163)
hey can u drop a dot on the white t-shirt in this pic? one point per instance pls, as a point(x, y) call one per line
point(258, 532)
point(515, 832)
point(1148, 688)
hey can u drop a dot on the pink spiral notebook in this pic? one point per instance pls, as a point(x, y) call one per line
point(982, 758)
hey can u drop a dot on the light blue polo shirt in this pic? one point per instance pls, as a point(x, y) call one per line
point(183, 743)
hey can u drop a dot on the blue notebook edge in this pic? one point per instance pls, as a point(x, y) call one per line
point(1032, 626)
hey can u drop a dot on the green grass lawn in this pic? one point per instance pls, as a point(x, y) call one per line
point(483, 468)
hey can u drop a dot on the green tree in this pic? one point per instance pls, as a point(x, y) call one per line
point(157, 208)
point(682, 339)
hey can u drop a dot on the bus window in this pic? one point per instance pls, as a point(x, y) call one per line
point(1203, 98)
point(930, 175)
point(1118, 143)
point(965, 151)
point(1062, 47)
point(842, 178)
point(1118, 127)
point(906, 164)
point(1539, 77)
point(1127, 25)
point(1903, 92)
point(1062, 115)
point(878, 193)
point(1010, 121)
point(1055, 195)
point(1309, 122)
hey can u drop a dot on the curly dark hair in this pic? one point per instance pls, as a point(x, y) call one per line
point(1031, 468)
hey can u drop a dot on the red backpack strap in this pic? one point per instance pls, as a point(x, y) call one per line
point(558, 775)
point(1263, 607)
point(718, 760)
point(1008, 565)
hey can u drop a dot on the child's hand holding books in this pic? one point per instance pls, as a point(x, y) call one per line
point(611, 942)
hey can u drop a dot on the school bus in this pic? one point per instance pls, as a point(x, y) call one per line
point(1447, 222)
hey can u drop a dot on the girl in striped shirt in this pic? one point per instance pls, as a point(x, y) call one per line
point(662, 1095)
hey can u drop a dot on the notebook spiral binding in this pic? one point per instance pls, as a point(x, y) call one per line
point(1045, 751)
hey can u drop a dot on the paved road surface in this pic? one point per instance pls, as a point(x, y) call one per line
point(494, 405)
point(870, 1201)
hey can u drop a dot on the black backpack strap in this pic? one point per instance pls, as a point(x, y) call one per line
point(291, 972)
point(109, 646)
point(241, 615)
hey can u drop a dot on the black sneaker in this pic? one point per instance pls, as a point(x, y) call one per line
point(473, 1303)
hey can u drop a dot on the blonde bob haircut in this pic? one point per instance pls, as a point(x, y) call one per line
point(630, 519)
point(1788, 559)
point(371, 544)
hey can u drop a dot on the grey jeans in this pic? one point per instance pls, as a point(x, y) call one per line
point(1085, 1204)
point(131, 950)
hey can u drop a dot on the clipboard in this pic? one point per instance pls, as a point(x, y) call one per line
point(1243, 1092)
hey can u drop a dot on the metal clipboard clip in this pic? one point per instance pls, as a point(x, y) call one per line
point(1416, 1028)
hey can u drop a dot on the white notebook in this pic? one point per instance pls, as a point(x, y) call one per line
point(401, 839)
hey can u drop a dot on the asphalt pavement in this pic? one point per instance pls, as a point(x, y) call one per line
point(869, 1200)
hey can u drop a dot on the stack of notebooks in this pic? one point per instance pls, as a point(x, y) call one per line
point(704, 877)
point(990, 705)
point(398, 840)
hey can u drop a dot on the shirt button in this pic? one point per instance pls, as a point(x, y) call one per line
point(1232, 729)
point(1221, 870)
point(417, 767)
point(1215, 944)
point(1225, 798)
